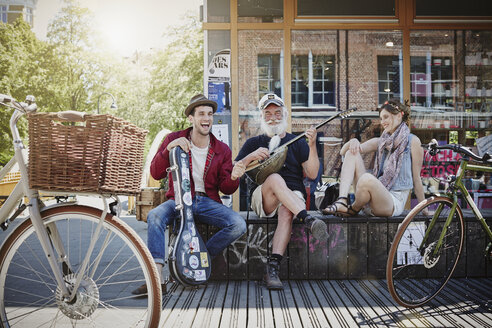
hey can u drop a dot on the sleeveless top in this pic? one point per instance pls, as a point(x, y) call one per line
point(404, 180)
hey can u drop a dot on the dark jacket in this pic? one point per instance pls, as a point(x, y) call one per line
point(218, 167)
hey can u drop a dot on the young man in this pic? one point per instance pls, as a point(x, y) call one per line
point(282, 193)
point(211, 172)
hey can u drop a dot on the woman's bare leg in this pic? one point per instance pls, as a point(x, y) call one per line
point(352, 168)
point(370, 190)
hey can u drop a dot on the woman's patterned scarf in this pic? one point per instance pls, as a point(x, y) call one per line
point(395, 144)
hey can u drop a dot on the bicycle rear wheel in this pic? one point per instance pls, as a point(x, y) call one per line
point(119, 263)
point(417, 268)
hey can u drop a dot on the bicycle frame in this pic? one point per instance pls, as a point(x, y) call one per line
point(50, 243)
point(458, 185)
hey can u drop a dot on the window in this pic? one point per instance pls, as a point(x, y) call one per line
point(313, 80)
point(3, 14)
point(324, 80)
point(269, 75)
point(28, 17)
point(300, 77)
point(389, 78)
point(346, 8)
point(260, 11)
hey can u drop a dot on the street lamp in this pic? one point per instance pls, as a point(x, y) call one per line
point(113, 105)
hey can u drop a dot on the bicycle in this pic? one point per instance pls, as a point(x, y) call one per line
point(428, 243)
point(69, 264)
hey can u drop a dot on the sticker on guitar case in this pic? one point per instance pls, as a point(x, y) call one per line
point(195, 244)
point(186, 185)
point(183, 155)
point(191, 227)
point(204, 259)
point(200, 275)
point(188, 273)
point(187, 198)
point(189, 213)
point(183, 259)
point(186, 236)
point(193, 260)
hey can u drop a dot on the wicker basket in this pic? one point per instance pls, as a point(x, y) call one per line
point(103, 154)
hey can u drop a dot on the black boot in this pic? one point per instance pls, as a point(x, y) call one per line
point(271, 278)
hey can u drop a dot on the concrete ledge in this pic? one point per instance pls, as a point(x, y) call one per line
point(357, 248)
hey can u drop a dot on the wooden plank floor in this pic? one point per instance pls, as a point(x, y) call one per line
point(323, 303)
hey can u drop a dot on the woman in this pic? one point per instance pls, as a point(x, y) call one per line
point(396, 169)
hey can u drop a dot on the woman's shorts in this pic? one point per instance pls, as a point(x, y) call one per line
point(399, 198)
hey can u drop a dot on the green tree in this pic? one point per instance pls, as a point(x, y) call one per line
point(176, 75)
point(76, 70)
point(20, 74)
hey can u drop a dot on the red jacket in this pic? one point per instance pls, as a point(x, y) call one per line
point(218, 167)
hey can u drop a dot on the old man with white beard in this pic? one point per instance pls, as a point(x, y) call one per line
point(283, 193)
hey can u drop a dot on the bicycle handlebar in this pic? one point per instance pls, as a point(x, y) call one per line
point(433, 148)
point(25, 107)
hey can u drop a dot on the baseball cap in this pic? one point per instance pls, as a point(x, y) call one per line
point(270, 98)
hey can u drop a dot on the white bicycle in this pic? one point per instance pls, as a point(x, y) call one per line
point(69, 265)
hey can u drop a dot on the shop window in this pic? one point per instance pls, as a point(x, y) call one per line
point(389, 78)
point(269, 75)
point(346, 8)
point(299, 84)
point(260, 11)
point(313, 80)
point(454, 8)
point(218, 11)
point(431, 81)
point(3, 14)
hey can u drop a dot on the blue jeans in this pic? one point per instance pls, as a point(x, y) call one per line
point(205, 210)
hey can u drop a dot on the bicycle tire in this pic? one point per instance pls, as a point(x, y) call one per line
point(28, 290)
point(414, 276)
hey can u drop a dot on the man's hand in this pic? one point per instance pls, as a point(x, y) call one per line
point(260, 154)
point(182, 142)
point(238, 170)
point(311, 136)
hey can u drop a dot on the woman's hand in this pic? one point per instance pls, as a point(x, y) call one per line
point(354, 146)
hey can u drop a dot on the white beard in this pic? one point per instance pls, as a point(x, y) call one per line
point(271, 130)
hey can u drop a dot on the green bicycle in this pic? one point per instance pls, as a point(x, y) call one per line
point(428, 243)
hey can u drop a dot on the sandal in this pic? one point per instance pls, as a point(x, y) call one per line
point(351, 211)
point(333, 210)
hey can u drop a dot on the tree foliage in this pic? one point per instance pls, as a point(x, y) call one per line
point(20, 74)
point(176, 76)
point(72, 71)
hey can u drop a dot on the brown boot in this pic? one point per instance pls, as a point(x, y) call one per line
point(271, 278)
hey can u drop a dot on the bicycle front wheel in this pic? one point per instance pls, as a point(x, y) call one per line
point(425, 252)
point(119, 263)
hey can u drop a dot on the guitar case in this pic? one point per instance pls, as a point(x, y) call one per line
point(189, 261)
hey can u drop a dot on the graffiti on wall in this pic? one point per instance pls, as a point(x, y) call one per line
point(259, 240)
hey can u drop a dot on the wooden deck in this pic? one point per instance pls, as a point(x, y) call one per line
point(323, 303)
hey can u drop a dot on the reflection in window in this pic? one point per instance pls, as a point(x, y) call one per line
point(269, 75)
point(389, 78)
point(299, 83)
point(324, 80)
point(313, 80)
point(260, 11)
